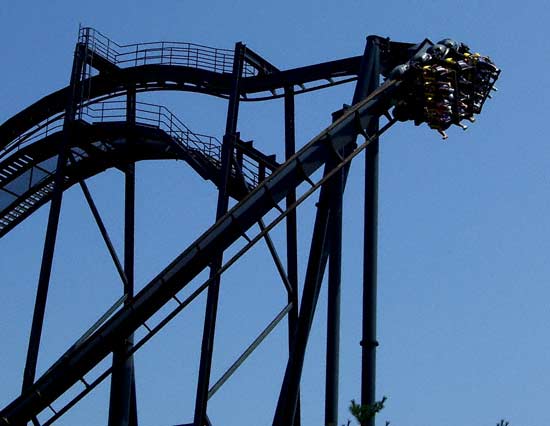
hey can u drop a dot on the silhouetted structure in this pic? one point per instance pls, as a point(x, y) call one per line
point(97, 123)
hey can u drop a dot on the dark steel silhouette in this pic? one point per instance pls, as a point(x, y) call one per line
point(98, 123)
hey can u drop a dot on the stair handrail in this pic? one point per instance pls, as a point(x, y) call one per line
point(192, 55)
point(146, 114)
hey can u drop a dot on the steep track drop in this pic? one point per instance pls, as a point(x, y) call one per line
point(322, 150)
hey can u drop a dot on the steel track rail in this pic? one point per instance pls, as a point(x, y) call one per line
point(172, 77)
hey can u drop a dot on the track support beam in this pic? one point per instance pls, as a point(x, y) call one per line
point(122, 405)
point(371, 81)
point(228, 145)
point(333, 300)
point(288, 397)
point(53, 223)
point(291, 233)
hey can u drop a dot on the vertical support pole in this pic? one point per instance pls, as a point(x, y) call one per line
point(318, 255)
point(291, 233)
point(368, 341)
point(333, 301)
point(228, 144)
point(319, 252)
point(53, 222)
point(129, 246)
point(122, 406)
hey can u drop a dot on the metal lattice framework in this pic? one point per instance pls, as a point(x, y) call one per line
point(96, 123)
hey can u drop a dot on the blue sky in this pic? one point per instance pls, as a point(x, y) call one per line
point(464, 231)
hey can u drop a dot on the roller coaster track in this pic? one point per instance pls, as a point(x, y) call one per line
point(339, 137)
point(176, 66)
point(102, 137)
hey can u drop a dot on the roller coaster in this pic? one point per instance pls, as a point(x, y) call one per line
point(97, 123)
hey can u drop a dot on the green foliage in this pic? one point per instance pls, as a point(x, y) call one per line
point(363, 413)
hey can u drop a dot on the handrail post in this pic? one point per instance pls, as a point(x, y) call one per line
point(171, 117)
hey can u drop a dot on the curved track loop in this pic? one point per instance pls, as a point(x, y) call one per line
point(144, 78)
point(186, 67)
point(321, 151)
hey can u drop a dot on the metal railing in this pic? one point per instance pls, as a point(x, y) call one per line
point(45, 128)
point(160, 117)
point(161, 53)
point(157, 116)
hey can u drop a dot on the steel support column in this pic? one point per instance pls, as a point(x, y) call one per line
point(129, 245)
point(368, 342)
point(228, 144)
point(53, 222)
point(333, 301)
point(123, 407)
point(291, 234)
point(319, 251)
point(288, 397)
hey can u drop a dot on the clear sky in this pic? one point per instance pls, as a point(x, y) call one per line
point(464, 237)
